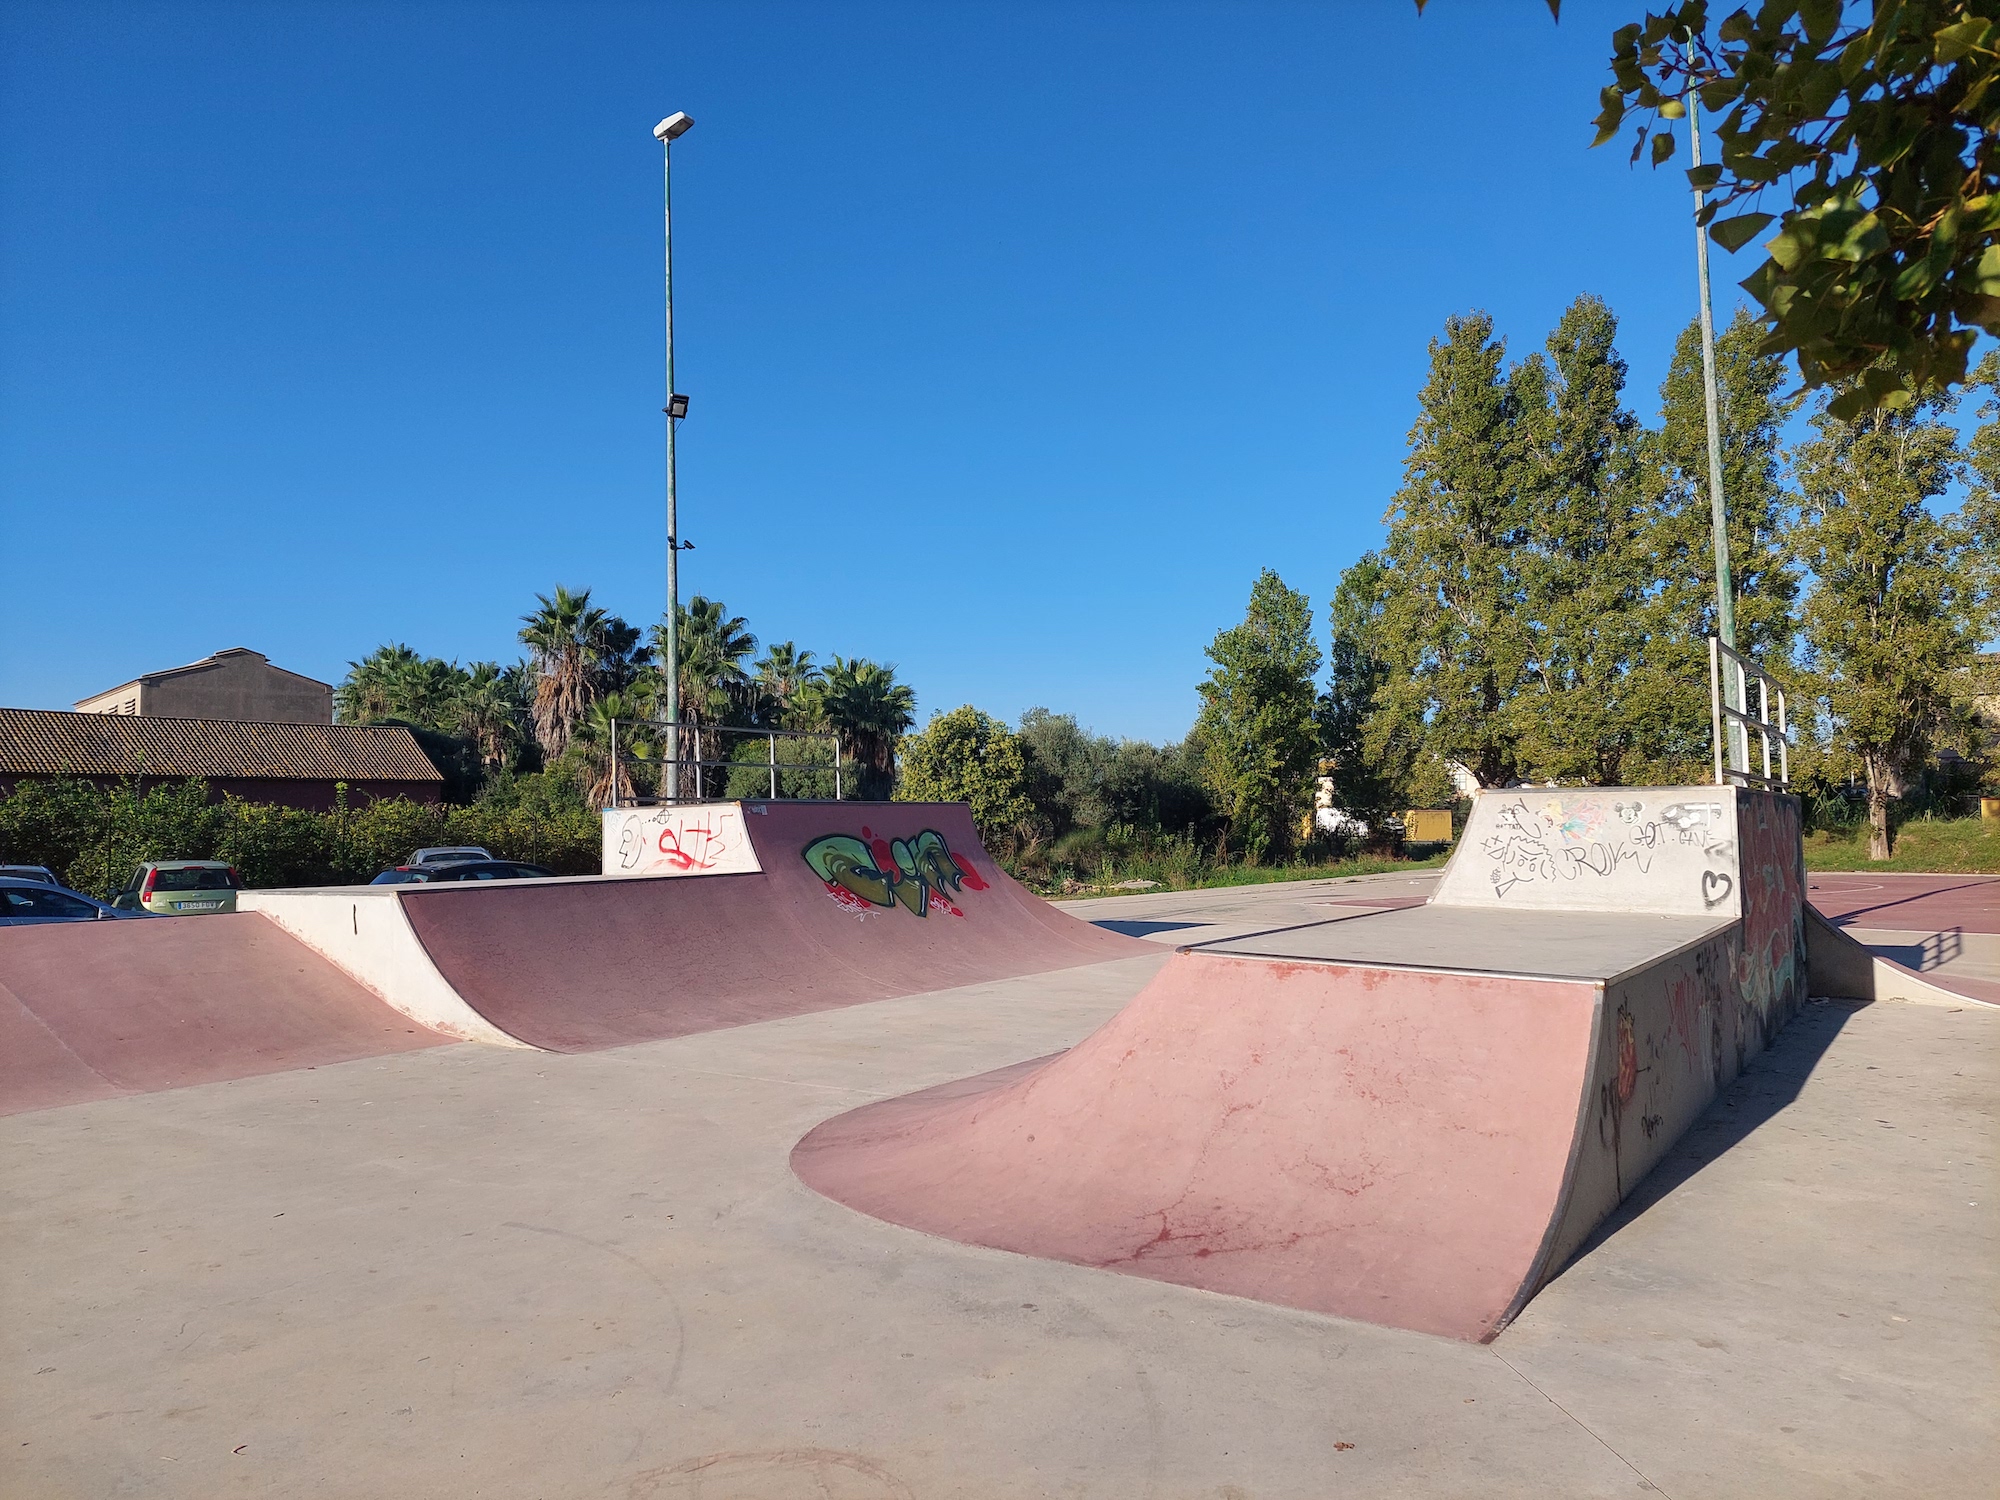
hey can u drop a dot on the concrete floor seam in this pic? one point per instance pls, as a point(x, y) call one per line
point(1582, 1425)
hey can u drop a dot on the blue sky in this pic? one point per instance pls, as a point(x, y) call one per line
point(1019, 337)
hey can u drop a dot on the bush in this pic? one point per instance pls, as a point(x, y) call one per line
point(94, 838)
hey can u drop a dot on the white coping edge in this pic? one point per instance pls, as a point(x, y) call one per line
point(383, 955)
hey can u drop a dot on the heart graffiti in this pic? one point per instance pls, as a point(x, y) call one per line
point(1715, 887)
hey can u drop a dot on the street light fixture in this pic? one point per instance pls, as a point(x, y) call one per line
point(666, 133)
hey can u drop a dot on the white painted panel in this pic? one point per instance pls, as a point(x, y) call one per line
point(703, 838)
point(364, 932)
point(1671, 850)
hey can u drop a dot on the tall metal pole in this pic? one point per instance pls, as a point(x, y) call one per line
point(672, 767)
point(1725, 592)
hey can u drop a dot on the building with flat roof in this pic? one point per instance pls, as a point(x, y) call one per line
point(289, 764)
point(237, 684)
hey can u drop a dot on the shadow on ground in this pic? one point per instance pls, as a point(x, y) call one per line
point(1144, 929)
point(1770, 1082)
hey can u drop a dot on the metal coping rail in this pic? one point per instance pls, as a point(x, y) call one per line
point(1731, 727)
point(771, 737)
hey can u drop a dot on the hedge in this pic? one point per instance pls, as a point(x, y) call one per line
point(93, 838)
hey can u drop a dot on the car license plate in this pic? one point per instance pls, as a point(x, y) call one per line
point(196, 905)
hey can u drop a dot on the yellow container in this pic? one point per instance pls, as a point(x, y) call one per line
point(1989, 808)
point(1427, 825)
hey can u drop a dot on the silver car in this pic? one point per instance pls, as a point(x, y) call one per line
point(30, 903)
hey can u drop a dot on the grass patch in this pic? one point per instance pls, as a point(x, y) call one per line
point(1200, 878)
point(1940, 846)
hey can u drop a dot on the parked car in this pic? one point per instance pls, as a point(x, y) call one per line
point(484, 869)
point(180, 887)
point(451, 855)
point(41, 873)
point(28, 903)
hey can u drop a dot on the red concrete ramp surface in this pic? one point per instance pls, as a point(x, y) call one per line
point(1410, 1116)
point(1375, 1144)
point(93, 1010)
point(574, 965)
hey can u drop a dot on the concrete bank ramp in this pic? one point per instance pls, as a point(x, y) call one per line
point(91, 1010)
point(1411, 1117)
point(852, 902)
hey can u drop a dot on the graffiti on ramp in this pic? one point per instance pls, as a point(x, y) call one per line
point(700, 839)
point(920, 873)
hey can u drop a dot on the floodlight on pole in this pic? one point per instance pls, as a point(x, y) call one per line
point(666, 133)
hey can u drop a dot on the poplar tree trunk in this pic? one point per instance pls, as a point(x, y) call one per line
point(1878, 812)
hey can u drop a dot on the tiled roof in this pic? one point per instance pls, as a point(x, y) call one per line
point(45, 742)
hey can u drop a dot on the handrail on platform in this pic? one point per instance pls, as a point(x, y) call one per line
point(1731, 726)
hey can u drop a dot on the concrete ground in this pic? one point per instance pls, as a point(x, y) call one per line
point(475, 1272)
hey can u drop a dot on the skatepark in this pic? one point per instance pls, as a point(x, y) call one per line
point(1617, 1157)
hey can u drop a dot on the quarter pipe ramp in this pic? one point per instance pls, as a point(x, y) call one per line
point(1412, 1117)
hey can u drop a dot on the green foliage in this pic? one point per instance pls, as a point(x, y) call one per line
point(1259, 746)
point(805, 769)
point(1901, 593)
point(1445, 617)
point(1675, 546)
point(1880, 121)
point(968, 756)
point(861, 702)
point(95, 838)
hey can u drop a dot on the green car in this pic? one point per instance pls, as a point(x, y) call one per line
point(180, 887)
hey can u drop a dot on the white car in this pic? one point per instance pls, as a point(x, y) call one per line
point(450, 855)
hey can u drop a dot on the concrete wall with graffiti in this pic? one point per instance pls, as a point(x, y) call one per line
point(1671, 1037)
point(705, 838)
point(1671, 850)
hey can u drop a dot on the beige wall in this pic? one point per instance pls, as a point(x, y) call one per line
point(237, 684)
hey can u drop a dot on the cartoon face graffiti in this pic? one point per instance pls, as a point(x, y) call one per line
point(871, 871)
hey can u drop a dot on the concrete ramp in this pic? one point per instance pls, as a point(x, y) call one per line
point(845, 902)
point(1412, 1117)
point(91, 1010)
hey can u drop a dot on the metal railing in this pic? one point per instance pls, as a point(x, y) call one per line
point(671, 768)
point(1732, 726)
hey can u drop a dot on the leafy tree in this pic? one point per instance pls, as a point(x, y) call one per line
point(968, 756)
point(1450, 627)
point(1901, 594)
point(1155, 788)
point(1667, 701)
point(1582, 578)
point(1881, 119)
point(1367, 774)
point(1066, 765)
point(862, 703)
point(1256, 723)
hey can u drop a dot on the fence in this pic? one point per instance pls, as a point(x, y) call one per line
point(674, 769)
point(1733, 724)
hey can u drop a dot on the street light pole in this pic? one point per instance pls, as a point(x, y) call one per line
point(1718, 512)
point(666, 132)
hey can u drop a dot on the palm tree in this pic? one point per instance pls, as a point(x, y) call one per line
point(782, 673)
point(568, 639)
point(489, 712)
point(611, 732)
point(864, 704)
point(713, 648)
point(370, 691)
